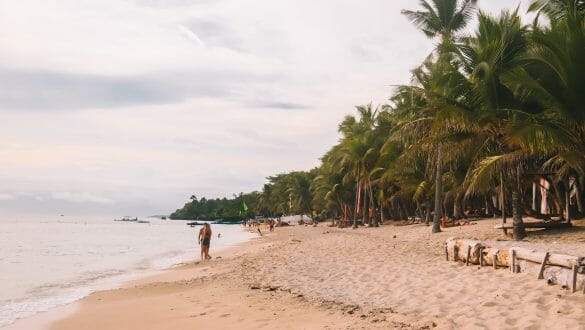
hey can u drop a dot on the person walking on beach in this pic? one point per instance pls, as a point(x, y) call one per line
point(205, 240)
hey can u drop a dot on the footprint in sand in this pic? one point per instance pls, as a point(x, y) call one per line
point(489, 304)
point(510, 321)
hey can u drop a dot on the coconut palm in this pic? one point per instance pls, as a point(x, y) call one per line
point(441, 18)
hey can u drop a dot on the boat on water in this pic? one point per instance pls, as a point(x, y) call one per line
point(135, 219)
point(215, 222)
point(127, 218)
point(196, 223)
point(228, 222)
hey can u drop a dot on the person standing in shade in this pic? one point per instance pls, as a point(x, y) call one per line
point(205, 240)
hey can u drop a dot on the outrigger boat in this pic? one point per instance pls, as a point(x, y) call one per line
point(127, 218)
point(135, 219)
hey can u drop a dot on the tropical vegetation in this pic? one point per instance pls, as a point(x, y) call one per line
point(490, 119)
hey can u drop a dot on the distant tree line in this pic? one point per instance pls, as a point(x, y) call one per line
point(218, 208)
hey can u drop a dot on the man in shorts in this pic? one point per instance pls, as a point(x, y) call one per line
point(205, 240)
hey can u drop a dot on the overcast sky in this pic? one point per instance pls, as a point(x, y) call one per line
point(130, 106)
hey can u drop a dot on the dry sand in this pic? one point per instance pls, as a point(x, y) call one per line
point(320, 277)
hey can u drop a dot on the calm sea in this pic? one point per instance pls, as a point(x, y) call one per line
point(48, 262)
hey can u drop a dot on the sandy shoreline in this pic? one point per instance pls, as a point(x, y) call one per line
point(314, 278)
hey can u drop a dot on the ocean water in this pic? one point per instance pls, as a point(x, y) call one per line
point(46, 262)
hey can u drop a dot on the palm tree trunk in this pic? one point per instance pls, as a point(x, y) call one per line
point(519, 230)
point(578, 184)
point(365, 214)
point(534, 196)
point(503, 201)
point(558, 200)
point(357, 191)
point(578, 196)
point(381, 214)
point(373, 206)
point(438, 190)
point(568, 200)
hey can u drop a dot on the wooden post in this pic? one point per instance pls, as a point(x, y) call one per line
point(513, 260)
point(481, 257)
point(468, 255)
point(455, 253)
point(541, 271)
point(574, 287)
point(495, 260)
point(446, 252)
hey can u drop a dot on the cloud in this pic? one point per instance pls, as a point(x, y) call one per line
point(80, 198)
point(155, 100)
point(214, 33)
point(172, 3)
point(277, 105)
point(41, 90)
point(190, 35)
point(7, 197)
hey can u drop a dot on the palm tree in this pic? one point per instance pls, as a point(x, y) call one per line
point(358, 153)
point(497, 50)
point(300, 192)
point(443, 18)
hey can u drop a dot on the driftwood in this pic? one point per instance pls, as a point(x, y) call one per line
point(518, 259)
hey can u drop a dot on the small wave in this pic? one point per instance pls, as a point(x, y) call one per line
point(85, 279)
point(12, 310)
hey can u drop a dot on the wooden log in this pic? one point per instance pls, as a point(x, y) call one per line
point(497, 256)
point(553, 258)
point(542, 265)
point(455, 248)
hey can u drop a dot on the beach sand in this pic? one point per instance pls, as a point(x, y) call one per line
point(303, 277)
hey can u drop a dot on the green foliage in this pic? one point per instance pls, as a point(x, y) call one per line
point(504, 106)
point(211, 209)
